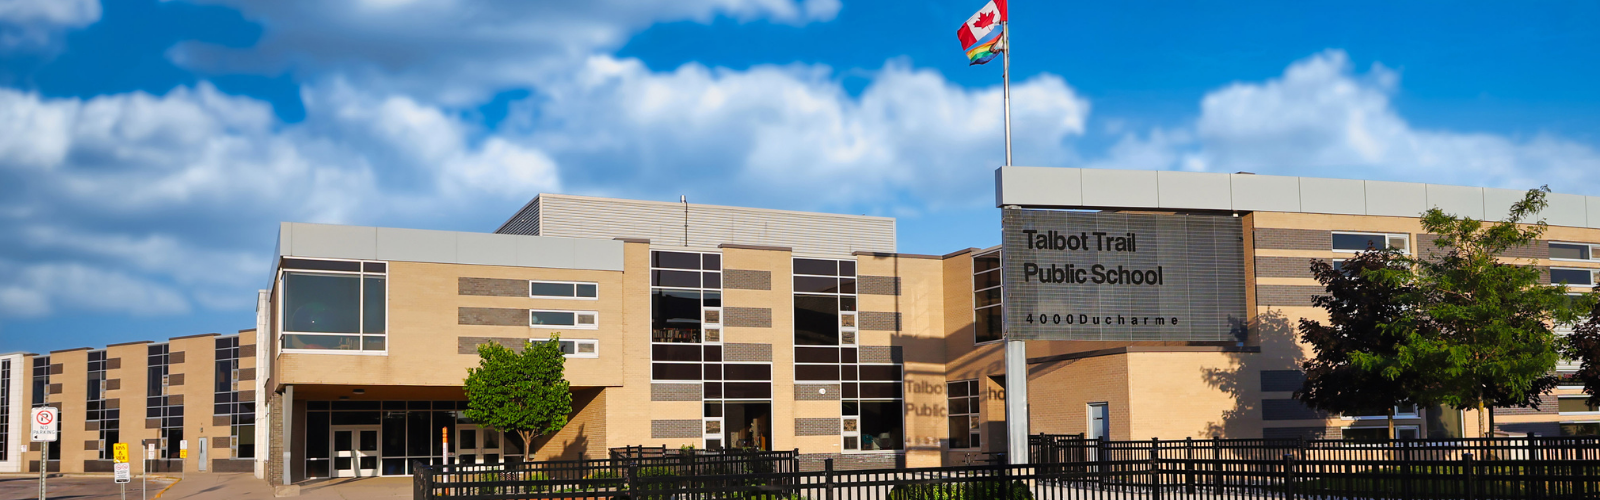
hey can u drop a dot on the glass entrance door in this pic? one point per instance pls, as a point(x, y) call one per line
point(355, 450)
point(478, 445)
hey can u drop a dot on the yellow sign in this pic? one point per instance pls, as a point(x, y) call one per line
point(119, 453)
point(183, 453)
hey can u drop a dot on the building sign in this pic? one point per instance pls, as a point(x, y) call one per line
point(1115, 276)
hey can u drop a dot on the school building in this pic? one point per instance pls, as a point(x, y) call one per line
point(733, 327)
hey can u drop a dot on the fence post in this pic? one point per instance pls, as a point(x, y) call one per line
point(1472, 477)
point(1216, 461)
point(1534, 471)
point(827, 468)
point(1155, 468)
point(1406, 470)
point(1188, 465)
point(633, 479)
point(1289, 475)
point(1005, 478)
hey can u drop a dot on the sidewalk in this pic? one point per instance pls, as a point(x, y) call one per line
point(247, 487)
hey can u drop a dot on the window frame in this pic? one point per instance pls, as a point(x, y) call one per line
point(1575, 413)
point(998, 270)
point(574, 326)
point(1397, 428)
point(1594, 251)
point(1592, 276)
point(1416, 412)
point(283, 302)
point(1407, 250)
point(576, 354)
point(974, 413)
point(560, 282)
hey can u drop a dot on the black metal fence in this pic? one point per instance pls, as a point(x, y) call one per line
point(1070, 467)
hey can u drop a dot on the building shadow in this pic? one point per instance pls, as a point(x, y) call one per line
point(1278, 340)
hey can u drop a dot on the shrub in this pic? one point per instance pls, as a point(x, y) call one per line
point(984, 490)
point(942, 491)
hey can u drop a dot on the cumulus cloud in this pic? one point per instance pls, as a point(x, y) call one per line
point(42, 288)
point(453, 51)
point(30, 25)
point(1323, 118)
point(791, 135)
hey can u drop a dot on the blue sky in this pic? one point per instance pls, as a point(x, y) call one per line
point(148, 148)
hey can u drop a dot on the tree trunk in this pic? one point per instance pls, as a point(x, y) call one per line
point(527, 445)
point(1391, 423)
point(1481, 432)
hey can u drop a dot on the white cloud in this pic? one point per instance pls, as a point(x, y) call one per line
point(1322, 118)
point(457, 52)
point(42, 288)
point(791, 135)
point(38, 24)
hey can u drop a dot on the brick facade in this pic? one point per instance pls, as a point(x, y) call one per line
point(1293, 239)
point(492, 287)
point(669, 429)
point(878, 285)
point(746, 279)
point(492, 316)
point(816, 392)
point(881, 354)
point(816, 426)
point(747, 317)
point(1285, 267)
point(674, 392)
point(469, 345)
point(853, 461)
point(747, 353)
point(1287, 295)
point(879, 321)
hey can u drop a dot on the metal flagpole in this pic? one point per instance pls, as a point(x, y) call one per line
point(1016, 353)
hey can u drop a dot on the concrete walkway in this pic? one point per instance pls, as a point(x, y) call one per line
point(247, 487)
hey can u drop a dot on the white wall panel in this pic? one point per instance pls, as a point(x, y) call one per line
point(1194, 190)
point(1457, 200)
point(334, 242)
point(1115, 188)
point(1396, 199)
point(1039, 186)
point(1593, 202)
point(415, 245)
point(1333, 196)
point(1566, 210)
point(1269, 193)
point(486, 248)
point(711, 225)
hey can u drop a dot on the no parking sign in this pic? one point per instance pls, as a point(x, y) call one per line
point(44, 424)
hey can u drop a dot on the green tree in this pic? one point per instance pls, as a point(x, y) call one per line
point(1480, 330)
point(1583, 345)
point(1366, 316)
point(521, 392)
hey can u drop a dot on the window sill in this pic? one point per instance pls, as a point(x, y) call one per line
point(334, 351)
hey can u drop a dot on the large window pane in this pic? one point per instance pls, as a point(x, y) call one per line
point(542, 289)
point(553, 318)
point(1572, 276)
point(1358, 242)
point(959, 436)
point(1568, 251)
point(320, 303)
point(330, 342)
point(817, 267)
point(816, 320)
point(987, 325)
point(881, 426)
point(675, 260)
point(675, 316)
point(373, 306)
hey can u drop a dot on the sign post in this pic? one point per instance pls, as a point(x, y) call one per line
point(120, 467)
point(44, 432)
point(144, 479)
point(183, 456)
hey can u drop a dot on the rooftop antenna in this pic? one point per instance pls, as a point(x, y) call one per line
point(684, 199)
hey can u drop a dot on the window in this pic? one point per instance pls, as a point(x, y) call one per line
point(881, 425)
point(227, 403)
point(5, 409)
point(576, 320)
point(1580, 428)
point(964, 417)
point(1400, 411)
point(824, 302)
point(158, 403)
point(563, 290)
point(108, 419)
point(1576, 404)
point(685, 292)
point(1370, 434)
point(1572, 251)
point(986, 299)
point(577, 348)
point(1360, 242)
point(334, 305)
point(1573, 277)
point(41, 379)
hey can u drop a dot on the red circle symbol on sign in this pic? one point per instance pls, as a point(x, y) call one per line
point(45, 418)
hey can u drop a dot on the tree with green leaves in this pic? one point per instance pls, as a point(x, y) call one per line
point(1480, 329)
point(1366, 316)
point(1583, 345)
point(520, 392)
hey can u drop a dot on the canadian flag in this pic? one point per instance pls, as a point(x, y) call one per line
point(981, 24)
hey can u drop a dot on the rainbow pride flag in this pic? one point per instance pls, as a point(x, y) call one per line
point(985, 52)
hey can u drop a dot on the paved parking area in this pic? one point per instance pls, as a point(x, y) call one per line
point(26, 487)
point(201, 486)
